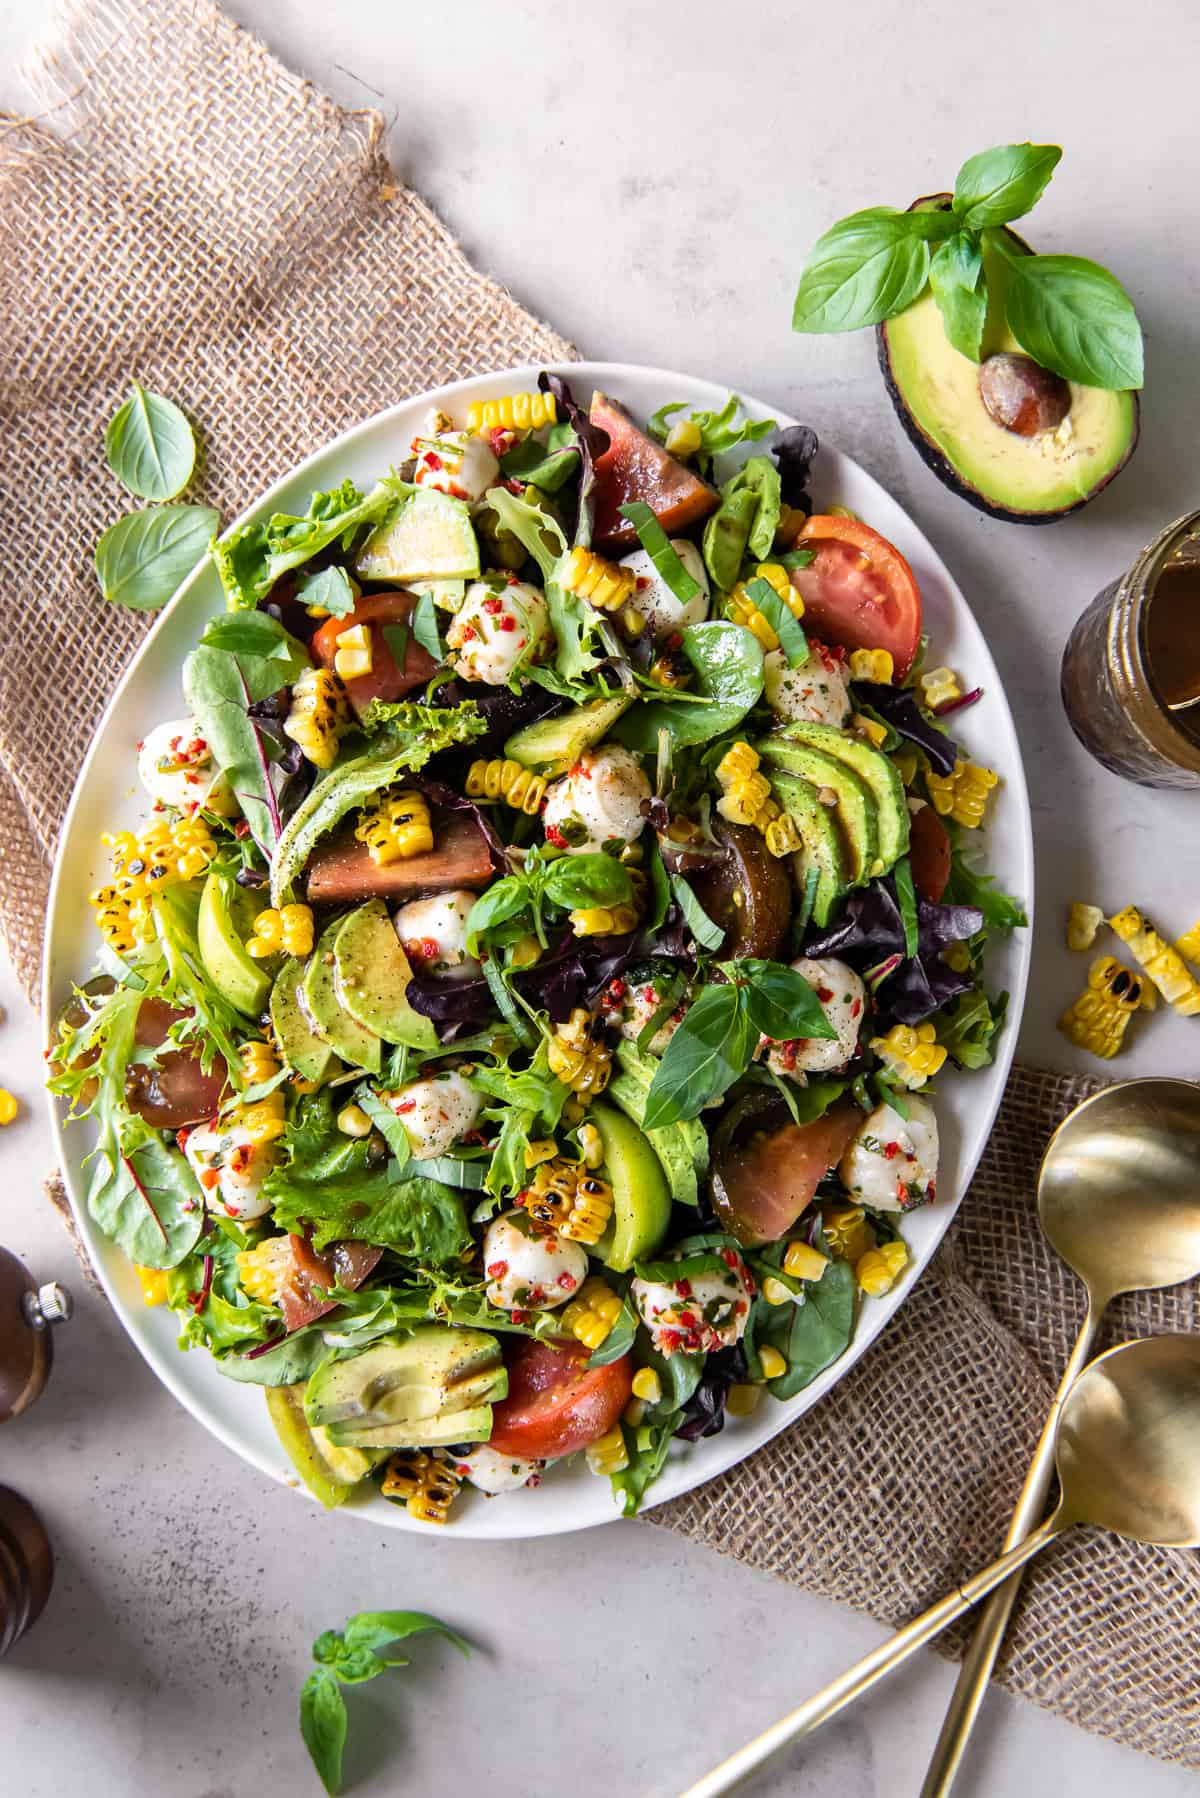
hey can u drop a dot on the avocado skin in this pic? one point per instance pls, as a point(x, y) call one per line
point(939, 463)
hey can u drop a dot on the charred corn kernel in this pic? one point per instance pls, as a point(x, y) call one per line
point(907, 763)
point(1163, 964)
point(396, 829)
point(352, 1120)
point(591, 1315)
point(264, 1121)
point(514, 412)
point(772, 1363)
point(647, 1385)
point(288, 931)
point(939, 686)
point(605, 920)
point(873, 664)
point(957, 956)
point(742, 1400)
point(264, 1270)
point(153, 1282)
point(591, 1146)
point(569, 1198)
point(576, 1058)
point(775, 1292)
point(426, 1483)
point(121, 921)
point(782, 835)
point(962, 795)
point(608, 1454)
point(8, 1106)
point(740, 609)
point(684, 439)
point(159, 856)
point(1188, 944)
point(1099, 1018)
point(910, 1055)
point(1083, 925)
point(804, 1262)
point(870, 728)
point(507, 780)
point(354, 655)
point(318, 716)
point(631, 622)
point(878, 1270)
point(671, 668)
point(791, 522)
point(259, 1062)
point(543, 1149)
point(601, 582)
point(847, 1231)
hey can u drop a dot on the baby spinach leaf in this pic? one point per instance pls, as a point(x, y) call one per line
point(710, 1050)
point(148, 1203)
point(867, 268)
point(143, 558)
point(150, 447)
point(659, 548)
point(576, 881)
point(812, 1335)
point(728, 664)
point(252, 557)
point(548, 465)
point(1074, 317)
point(957, 280)
point(778, 1001)
point(1002, 184)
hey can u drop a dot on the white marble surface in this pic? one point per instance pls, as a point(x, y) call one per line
point(649, 179)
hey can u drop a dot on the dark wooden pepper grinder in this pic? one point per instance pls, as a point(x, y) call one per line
point(26, 1352)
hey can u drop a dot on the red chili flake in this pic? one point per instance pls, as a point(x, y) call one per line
point(507, 624)
point(824, 994)
point(675, 640)
point(404, 1107)
point(554, 835)
point(731, 1258)
point(649, 996)
point(688, 1319)
point(901, 1192)
point(209, 1178)
point(457, 491)
point(493, 605)
point(891, 1150)
point(181, 1136)
point(642, 582)
point(513, 486)
point(669, 1341)
point(462, 1469)
point(241, 828)
point(856, 1008)
point(568, 1282)
point(519, 1315)
point(469, 633)
point(431, 459)
point(741, 1308)
point(496, 1270)
point(684, 1288)
point(141, 744)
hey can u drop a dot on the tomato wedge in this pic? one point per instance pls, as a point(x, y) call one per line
point(759, 1190)
point(556, 1403)
point(388, 678)
point(344, 1264)
point(929, 852)
point(858, 590)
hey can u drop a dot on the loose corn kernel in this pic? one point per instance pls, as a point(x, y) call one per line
point(354, 655)
point(318, 716)
point(962, 795)
point(153, 1282)
point(939, 686)
point(782, 835)
point(1164, 965)
point(544, 1148)
point(264, 1121)
point(592, 1314)
point(870, 728)
point(957, 956)
point(910, 1056)
point(288, 931)
point(1188, 944)
point(791, 522)
point(576, 1058)
point(608, 1454)
point(632, 623)
point(264, 1270)
point(605, 920)
point(426, 1483)
point(396, 829)
point(591, 1146)
point(684, 439)
point(647, 1385)
point(804, 1262)
point(878, 1270)
point(775, 1292)
point(874, 665)
point(525, 951)
point(601, 582)
point(352, 1120)
point(1099, 1018)
point(1083, 925)
point(513, 412)
point(743, 1400)
point(772, 1362)
point(634, 1413)
point(847, 1231)
point(505, 779)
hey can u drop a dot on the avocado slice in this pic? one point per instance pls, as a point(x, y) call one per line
point(641, 1196)
point(371, 972)
point(935, 391)
point(360, 1047)
point(471, 1425)
point(822, 842)
point(856, 810)
point(226, 916)
point(330, 1472)
point(305, 1052)
point(874, 769)
point(432, 1372)
point(431, 537)
point(556, 744)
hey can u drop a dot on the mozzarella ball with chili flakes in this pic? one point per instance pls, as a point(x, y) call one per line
point(176, 767)
point(843, 999)
point(691, 1316)
point(529, 1268)
point(433, 934)
point(500, 625)
point(633, 1003)
point(599, 801)
point(816, 690)
point(436, 1113)
point(654, 600)
point(451, 462)
point(231, 1168)
point(489, 1471)
point(891, 1163)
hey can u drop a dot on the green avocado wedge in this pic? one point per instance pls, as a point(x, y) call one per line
point(873, 768)
point(557, 743)
point(371, 972)
point(225, 918)
point(430, 537)
point(473, 1424)
point(358, 1047)
point(641, 1196)
point(306, 1053)
point(822, 842)
point(330, 1472)
point(431, 1375)
point(855, 807)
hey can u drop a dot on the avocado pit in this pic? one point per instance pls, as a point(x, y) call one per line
point(1021, 395)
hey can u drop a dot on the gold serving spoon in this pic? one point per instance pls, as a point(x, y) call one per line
point(1119, 1200)
point(1128, 1458)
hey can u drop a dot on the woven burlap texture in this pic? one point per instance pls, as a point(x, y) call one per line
point(187, 212)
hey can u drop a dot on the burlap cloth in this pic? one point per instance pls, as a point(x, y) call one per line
point(186, 211)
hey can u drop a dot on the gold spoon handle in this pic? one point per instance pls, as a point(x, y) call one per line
point(857, 1679)
point(972, 1683)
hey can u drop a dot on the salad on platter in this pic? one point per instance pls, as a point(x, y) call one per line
point(517, 1020)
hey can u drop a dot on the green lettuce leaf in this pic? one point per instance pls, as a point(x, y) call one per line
point(252, 557)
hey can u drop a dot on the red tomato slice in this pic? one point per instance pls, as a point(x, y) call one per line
point(345, 1264)
point(858, 590)
point(388, 679)
point(635, 467)
point(556, 1403)
point(177, 1092)
point(761, 1189)
point(929, 852)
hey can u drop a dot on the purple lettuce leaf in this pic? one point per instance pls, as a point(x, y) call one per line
point(592, 444)
point(502, 710)
point(899, 707)
point(570, 975)
point(871, 929)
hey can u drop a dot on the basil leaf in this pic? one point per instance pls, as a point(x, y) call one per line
point(706, 933)
point(389, 1127)
point(329, 588)
point(811, 1335)
point(1071, 315)
point(619, 1340)
point(451, 1170)
point(150, 447)
point(145, 556)
point(782, 619)
point(866, 268)
point(548, 465)
point(503, 900)
point(779, 1001)
point(727, 534)
point(710, 1050)
point(1002, 184)
point(680, 1267)
point(660, 892)
point(729, 672)
point(323, 1726)
point(907, 900)
point(957, 279)
point(425, 627)
point(574, 881)
point(657, 545)
point(396, 637)
point(373, 1630)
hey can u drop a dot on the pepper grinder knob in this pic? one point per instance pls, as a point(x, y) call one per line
point(50, 1304)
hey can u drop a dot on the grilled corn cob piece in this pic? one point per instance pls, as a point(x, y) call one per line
point(396, 829)
point(513, 412)
point(427, 1484)
point(1099, 1018)
point(1163, 964)
point(601, 582)
point(318, 717)
point(962, 795)
point(502, 778)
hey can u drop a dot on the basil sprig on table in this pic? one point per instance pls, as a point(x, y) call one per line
point(715, 1043)
point(150, 446)
point(1069, 314)
point(144, 557)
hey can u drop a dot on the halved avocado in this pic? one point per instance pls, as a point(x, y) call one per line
point(876, 772)
point(935, 390)
point(328, 1470)
point(822, 842)
point(557, 743)
point(433, 1372)
point(358, 1047)
point(641, 1196)
point(306, 1053)
point(855, 808)
point(371, 973)
point(430, 538)
point(473, 1424)
point(225, 918)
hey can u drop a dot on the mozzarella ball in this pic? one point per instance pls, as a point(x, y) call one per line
point(436, 1113)
point(433, 934)
point(530, 1268)
point(891, 1163)
point(635, 1003)
point(231, 1168)
point(489, 1471)
point(454, 463)
point(496, 627)
point(843, 999)
point(600, 801)
point(708, 1311)
point(664, 614)
point(816, 690)
point(176, 767)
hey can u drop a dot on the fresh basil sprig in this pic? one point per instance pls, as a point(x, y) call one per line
point(150, 446)
point(661, 550)
point(348, 1658)
point(1069, 314)
point(569, 882)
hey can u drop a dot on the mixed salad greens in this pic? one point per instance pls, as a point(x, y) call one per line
point(516, 1021)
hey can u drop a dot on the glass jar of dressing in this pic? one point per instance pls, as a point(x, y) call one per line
point(1131, 668)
